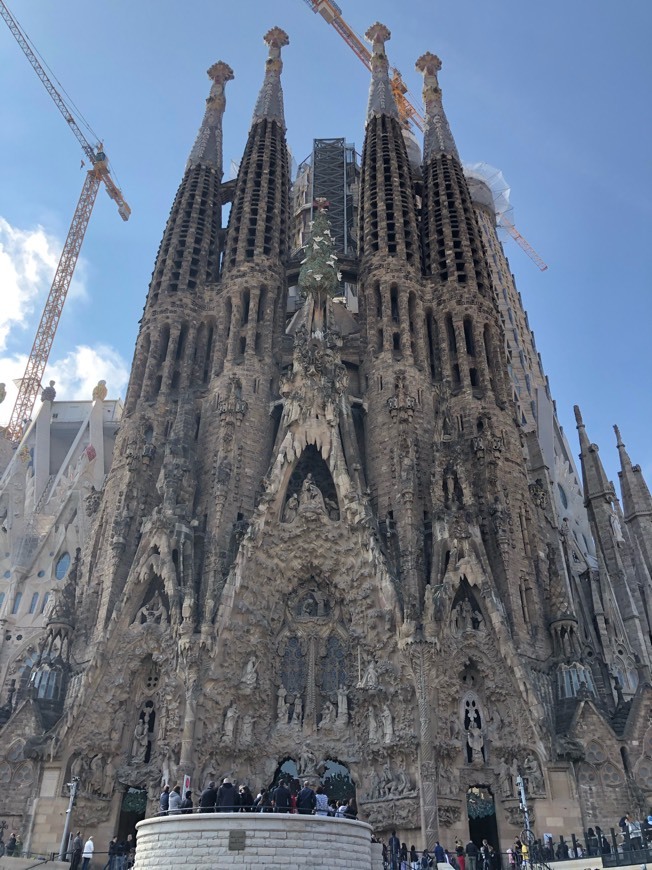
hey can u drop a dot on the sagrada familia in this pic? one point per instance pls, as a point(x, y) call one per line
point(346, 543)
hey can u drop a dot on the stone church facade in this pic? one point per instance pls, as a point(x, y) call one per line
point(328, 547)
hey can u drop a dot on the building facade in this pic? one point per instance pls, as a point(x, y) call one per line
point(331, 547)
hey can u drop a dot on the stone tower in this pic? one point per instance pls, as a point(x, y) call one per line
point(328, 547)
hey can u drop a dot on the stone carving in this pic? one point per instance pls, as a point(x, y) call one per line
point(449, 815)
point(230, 719)
point(297, 714)
point(247, 729)
point(538, 493)
point(388, 725)
point(475, 741)
point(291, 508)
point(328, 715)
point(100, 391)
point(95, 775)
point(342, 706)
point(140, 741)
point(374, 733)
point(152, 613)
point(505, 780)
point(282, 707)
point(307, 765)
point(370, 677)
point(92, 502)
point(532, 770)
point(311, 498)
point(249, 676)
point(49, 393)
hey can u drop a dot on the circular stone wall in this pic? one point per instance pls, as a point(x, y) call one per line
point(252, 840)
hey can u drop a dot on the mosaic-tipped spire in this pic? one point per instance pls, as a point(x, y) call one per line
point(381, 98)
point(437, 137)
point(319, 278)
point(270, 99)
point(208, 145)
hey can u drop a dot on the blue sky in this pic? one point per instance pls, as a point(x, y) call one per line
point(555, 94)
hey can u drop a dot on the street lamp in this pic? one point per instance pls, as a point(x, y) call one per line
point(63, 848)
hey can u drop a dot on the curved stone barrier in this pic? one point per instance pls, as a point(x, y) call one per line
point(277, 841)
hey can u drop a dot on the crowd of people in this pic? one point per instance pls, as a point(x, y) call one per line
point(397, 856)
point(286, 797)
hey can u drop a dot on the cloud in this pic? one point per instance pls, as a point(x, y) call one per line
point(28, 261)
point(74, 375)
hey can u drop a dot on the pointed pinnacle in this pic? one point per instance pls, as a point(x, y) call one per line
point(619, 440)
point(578, 417)
point(381, 97)
point(270, 100)
point(437, 137)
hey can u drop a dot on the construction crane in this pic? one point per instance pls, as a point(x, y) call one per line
point(408, 112)
point(30, 384)
point(331, 12)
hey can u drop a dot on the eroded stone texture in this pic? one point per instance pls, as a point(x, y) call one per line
point(330, 543)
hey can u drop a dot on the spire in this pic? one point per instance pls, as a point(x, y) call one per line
point(208, 144)
point(270, 99)
point(437, 137)
point(381, 98)
point(595, 479)
point(581, 429)
point(637, 501)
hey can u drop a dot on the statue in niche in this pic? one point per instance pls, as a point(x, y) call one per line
point(109, 777)
point(229, 724)
point(428, 605)
point(282, 706)
point(387, 781)
point(247, 731)
point(297, 715)
point(616, 528)
point(309, 606)
point(388, 725)
point(291, 508)
point(77, 767)
point(328, 714)
point(370, 677)
point(249, 675)
point(533, 773)
point(374, 785)
point(374, 732)
point(140, 740)
point(455, 730)
point(96, 774)
point(342, 706)
point(307, 762)
point(153, 612)
point(402, 782)
point(505, 781)
point(475, 741)
point(463, 616)
point(332, 509)
point(311, 495)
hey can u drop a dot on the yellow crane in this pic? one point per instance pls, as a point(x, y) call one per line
point(99, 173)
point(408, 111)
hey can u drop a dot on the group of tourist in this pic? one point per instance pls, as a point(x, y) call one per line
point(284, 798)
point(397, 856)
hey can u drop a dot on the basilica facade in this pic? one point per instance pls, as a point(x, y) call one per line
point(330, 545)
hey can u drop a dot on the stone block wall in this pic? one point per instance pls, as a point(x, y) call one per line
point(253, 840)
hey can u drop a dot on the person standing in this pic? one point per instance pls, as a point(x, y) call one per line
point(186, 803)
point(77, 849)
point(281, 798)
point(131, 851)
point(164, 801)
point(89, 848)
point(227, 797)
point(306, 800)
point(394, 845)
point(11, 844)
point(246, 799)
point(174, 804)
point(440, 854)
point(321, 802)
point(471, 855)
point(207, 798)
point(112, 854)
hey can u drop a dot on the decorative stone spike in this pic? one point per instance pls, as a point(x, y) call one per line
point(437, 136)
point(270, 100)
point(208, 145)
point(381, 98)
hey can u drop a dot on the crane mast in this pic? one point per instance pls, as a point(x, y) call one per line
point(30, 383)
point(408, 112)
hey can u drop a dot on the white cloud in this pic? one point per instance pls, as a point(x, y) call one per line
point(74, 375)
point(28, 261)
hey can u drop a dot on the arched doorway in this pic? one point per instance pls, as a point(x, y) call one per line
point(481, 811)
point(132, 811)
point(334, 776)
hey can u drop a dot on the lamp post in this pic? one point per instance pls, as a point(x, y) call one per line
point(63, 848)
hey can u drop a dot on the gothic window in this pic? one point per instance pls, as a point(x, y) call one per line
point(33, 603)
point(588, 776)
point(571, 678)
point(293, 669)
point(61, 568)
point(23, 776)
point(333, 673)
point(17, 600)
point(611, 776)
point(595, 754)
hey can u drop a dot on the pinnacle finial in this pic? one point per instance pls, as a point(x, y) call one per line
point(270, 100)
point(208, 145)
point(381, 98)
point(619, 440)
point(437, 137)
point(578, 417)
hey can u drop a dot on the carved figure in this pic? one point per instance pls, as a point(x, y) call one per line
point(153, 612)
point(140, 741)
point(475, 740)
point(342, 706)
point(311, 495)
point(505, 781)
point(388, 725)
point(374, 733)
point(370, 677)
point(374, 785)
point(307, 762)
point(282, 706)
point(402, 782)
point(49, 393)
point(291, 508)
point(96, 775)
point(297, 715)
point(109, 777)
point(247, 731)
point(229, 724)
point(533, 773)
point(616, 528)
point(328, 713)
point(250, 675)
point(100, 391)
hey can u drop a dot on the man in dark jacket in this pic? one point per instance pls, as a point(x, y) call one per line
point(207, 798)
point(11, 844)
point(471, 855)
point(227, 797)
point(77, 849)
point(281, 798)
point(186, 803)
point(440, 854)
point(306, 800)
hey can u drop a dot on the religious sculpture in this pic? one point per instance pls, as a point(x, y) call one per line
point(307, 762)
point(282, 706)
point(533, 773)
point(229, 724)
point(374, 733)
point(100, 391)
point(247, 730)
point(342, 706)
point(475, 740)
point(370, 677)
point(291, 508)
point(140, 741)
point(388, 725)
point(249, 675)
point(153, 612)
point(311, 495)
point(328, 714)
point(297, 715)
point(505, 781)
